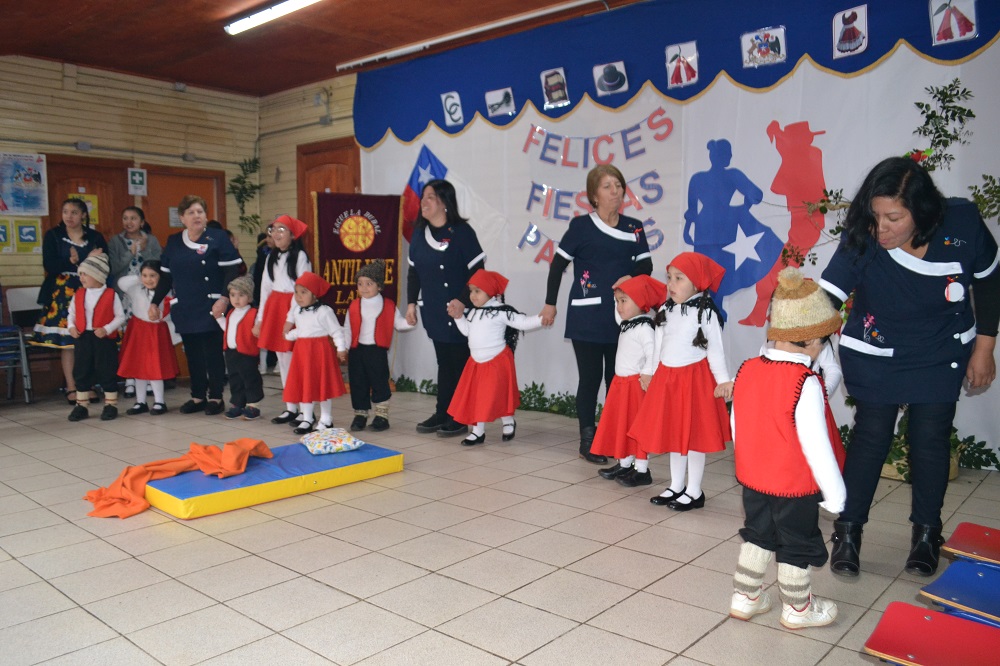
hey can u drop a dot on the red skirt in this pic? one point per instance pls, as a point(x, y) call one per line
point(272, 335)
point(147, 352)
point(693, 420)
point(486, 391)
point(612, 439)
point(314, 374)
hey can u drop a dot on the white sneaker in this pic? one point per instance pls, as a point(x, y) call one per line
point(743, 607)
point(819, 613)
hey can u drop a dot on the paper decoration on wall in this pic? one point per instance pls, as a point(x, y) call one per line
point(682, 64)
point(850, 32)
point(93, 210)
point(23, 184)
point(500, 102)
point(766, 46)
point(451, 103)
point(610, 78)
point(6, 235)
point(953, 20)
point(21, 234)
point(554, 88)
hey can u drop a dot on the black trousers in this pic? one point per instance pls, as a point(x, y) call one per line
point(95, 361)
point(786, 526)
point(368, 367)
point(929, 437)
point(205, 363)
point(594, 361)
point(245, 383)
point(451, 359)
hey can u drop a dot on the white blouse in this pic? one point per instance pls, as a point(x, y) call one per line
point(674, 339)
point(281, 281)
point(636, 348)
point(315, 323)
point(486, 332)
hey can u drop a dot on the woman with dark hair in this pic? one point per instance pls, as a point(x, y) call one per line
point(444, 253)
point(914, 334)
point(64, 247)
point(134, 245)
point(198, 263)
point(606, 249)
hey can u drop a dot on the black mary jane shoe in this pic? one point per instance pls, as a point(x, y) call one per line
point(303, 427)
point(158, 408)
point(472, 440)
point(507, 436)
point(286, 417)
point(665, 500)
point(137, 408)
point(613, 472)
point(635, 479)
point(693, 504)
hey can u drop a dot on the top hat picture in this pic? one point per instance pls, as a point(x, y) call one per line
point(610, 78)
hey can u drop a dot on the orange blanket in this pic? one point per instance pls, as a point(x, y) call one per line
point(126, 496)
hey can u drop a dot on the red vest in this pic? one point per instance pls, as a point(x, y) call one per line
point(104, 311)
point(383, 324)
point(769, 457)
point(246, 343)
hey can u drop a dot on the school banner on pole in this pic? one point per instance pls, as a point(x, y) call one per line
point(353, 230)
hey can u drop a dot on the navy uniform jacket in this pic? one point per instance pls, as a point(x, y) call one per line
point(600, 256)
point(910, 332)
point(198, 270)
point(443, 266)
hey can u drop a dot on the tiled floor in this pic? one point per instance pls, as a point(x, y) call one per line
point(505, 553)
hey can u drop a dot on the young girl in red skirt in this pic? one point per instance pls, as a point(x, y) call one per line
point(487, 389)
point(286, 262)
point(634, 365)
point(314, 373)
point(684, 412)
point(147, 352)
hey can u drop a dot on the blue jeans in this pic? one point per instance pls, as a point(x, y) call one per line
point(929, 436)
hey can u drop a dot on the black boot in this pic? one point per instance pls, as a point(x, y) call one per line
point(586, 439)
point(845, 560)
point(925, 549)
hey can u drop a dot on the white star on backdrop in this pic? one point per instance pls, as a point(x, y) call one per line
point(425, 175)
point(744, 247)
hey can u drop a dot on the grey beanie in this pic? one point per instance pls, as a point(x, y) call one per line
point(374, 271)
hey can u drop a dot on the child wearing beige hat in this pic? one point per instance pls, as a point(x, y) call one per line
point(788, 456)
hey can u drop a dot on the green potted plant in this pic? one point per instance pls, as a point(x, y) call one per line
point(244, 189)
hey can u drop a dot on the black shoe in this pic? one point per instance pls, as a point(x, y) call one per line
point(234, 412)
point(109, 413)
point(693, 504)
point(614, 471)
point(213, 407)
point(359, 423)
point(303, 427)
point(472, 440)
point(452, 429)
point(845, 556)
point(129, 392)
point(79, 413)
point(635, 479)
point(190, 407)
point(507, 436)
point(925, 550)
point(379, 423)
point(137, 408)
point(323, 426)
point(433, 424)
point(286, 417)
point(158, 408)
point(586, 439)
point(664, 500)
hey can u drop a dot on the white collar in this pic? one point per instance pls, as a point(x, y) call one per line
point(922, 266)
point(794, 357)
point(198, 247)
point(611, 231)
point(431, 242)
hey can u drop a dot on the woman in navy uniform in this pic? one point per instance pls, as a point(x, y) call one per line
point(606, 248)
point(444, 253)
point(914, 334)
point(198, 263)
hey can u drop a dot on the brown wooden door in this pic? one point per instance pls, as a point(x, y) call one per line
point(166, 187)
point(96, 180)
point(327, 166)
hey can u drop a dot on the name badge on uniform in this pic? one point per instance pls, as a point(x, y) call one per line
point(202, 249)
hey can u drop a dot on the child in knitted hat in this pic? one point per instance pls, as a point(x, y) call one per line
point(487, 389)
point(634, 365)
point(239, 344)
point(789, 457)
point(684, 411)
point(314, 374)
point(368, 328)
point(95, 315)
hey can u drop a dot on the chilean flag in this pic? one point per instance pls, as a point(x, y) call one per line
point(427, 168)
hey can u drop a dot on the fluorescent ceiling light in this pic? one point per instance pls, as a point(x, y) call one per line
point(269, 14)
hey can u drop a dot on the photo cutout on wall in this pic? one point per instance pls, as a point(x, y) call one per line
point(610, 78)
point(850, 32)
point(682, 64)
point(500, 102)
point(554, 88)
point(953, 20)
point(766, 46)
point(451, 104)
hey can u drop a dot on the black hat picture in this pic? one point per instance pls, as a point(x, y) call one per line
point(610, 78)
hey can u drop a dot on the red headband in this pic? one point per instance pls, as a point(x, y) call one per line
point(314, 283)
point(296, 227)
point(703, 272)
point(645, 292)
point(489, 281)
